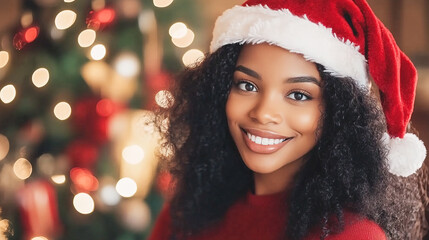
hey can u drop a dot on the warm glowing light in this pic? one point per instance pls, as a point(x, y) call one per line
point(8, 93)
point(178, 30)
point(83, 179)
point(105, 107)
point(83, 203)
point(31, 34)
point(133, 154)
point(86, 38)
point(106, 15)
point(4, 146)
point(185, 41)
point(59, 179)
point(40, 77)
point(98, 4)
point(4, 58)
point(127, 65)
point(164, 99)
point(65, 19)
point(62, 110)
point(22, 168)
point(98, 52)
point(68, 1)
point(126, 187)
point(26, 19)
point(4, 227)
point(56, 34)
point(162, 3)
point(109, 195)
point(39, 238)
point(192, 57)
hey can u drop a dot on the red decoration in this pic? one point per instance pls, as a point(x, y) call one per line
point(163, 183)
point(39, 210)
point(91, 117)
point(25, 36)
point(100, 19)
point(83, 180)
point(82, 153)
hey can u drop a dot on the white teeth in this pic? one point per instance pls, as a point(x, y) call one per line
point(264, 141)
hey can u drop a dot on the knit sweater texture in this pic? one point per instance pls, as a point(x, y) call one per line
point(256, 217)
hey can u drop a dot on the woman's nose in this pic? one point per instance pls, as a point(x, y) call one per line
point(266, 110)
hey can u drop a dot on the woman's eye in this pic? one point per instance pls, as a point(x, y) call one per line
point(298, 96)
point(246, 86)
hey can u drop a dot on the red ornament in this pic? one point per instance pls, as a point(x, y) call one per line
point(83, 180)
point(25, 36)
point(100, 19)
point(38, 208)
point(82, 153)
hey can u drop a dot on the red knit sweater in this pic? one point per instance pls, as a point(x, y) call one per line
point(264, 217)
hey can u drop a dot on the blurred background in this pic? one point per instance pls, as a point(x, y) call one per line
point(78, 81)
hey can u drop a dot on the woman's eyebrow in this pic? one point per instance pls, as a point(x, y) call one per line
point(303, 79)
point(248, 71)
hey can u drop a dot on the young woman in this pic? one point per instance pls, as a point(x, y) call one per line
point(276, 135)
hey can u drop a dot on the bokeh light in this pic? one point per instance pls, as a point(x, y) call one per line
point(162, 3)
point(4, 226)
point(46, 164)
point(22, 168)
point(68, 1)
point(164, 99)
point(133, 154)
point(126, 187)
point(31, 34)
point(127, 65)
point(8, 93)
point(4, 146)
point(98, 52)
point(178, 30)
point(105, 107)
point(59, 179)
point(86, 38)
point(65, 19)
point(62, 110)
point(192, 57)
point(83, 179)
point(109, 195)
point(39, 238)
point(26, 19)
point(83, 203)
point(4, 58)
point(40, 77)
point(184, 41)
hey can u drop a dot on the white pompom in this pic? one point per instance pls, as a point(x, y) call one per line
point(406, 155)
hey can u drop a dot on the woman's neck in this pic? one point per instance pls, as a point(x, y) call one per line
point(278, 181)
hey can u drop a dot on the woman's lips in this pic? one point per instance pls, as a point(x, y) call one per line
point(263, 142)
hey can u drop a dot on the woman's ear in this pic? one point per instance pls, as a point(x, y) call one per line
point(375, 91)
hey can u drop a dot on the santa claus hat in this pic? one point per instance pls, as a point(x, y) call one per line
point(349, 41)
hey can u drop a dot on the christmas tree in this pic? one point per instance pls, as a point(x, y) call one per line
point(78, 83)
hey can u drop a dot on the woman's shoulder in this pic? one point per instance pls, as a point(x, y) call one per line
point(358, 227)
point(162, 229)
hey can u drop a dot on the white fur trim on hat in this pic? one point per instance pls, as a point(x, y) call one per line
point(406, 155)
point(317, 43)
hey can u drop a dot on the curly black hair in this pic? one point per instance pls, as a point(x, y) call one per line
point(346, 169)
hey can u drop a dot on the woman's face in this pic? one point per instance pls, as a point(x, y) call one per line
point(274, 108)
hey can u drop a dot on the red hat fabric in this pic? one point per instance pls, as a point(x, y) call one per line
point(346, 38)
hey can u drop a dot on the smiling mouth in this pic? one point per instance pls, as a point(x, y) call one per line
point(265, 141)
